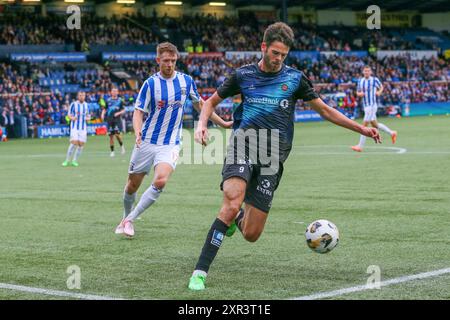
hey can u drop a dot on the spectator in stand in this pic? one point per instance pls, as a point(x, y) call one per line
point(350, 103)
point(4, 117)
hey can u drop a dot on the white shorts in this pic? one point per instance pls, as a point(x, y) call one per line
point(149, 155)
point(78, 135)
point(370, 113)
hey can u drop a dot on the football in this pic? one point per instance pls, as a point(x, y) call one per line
point(322, 236)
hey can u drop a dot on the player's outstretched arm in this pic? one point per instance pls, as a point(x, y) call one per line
point(220, 122)
point(119, 113)
point(138, 120)
point(380, 90)
point(214, 116)
point(338, 118)
point(72, 115)
point(103, 115)
point(201, 132)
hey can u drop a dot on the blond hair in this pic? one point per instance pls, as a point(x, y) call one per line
point(166, 47)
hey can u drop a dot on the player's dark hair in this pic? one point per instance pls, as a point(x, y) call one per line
point(279, 31)
point(166, 47)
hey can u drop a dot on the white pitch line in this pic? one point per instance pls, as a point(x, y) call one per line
point(396, 149)
point(49, 155)
point(55, 292)
point(399, 150)
point(430, 152)
point(329, 294)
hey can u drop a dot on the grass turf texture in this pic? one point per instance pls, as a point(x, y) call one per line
point(392, 211)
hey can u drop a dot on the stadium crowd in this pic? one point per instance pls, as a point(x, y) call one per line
point(405, 81)
point(340, 69)
point(24, 94)
point(40, 93)
point(242, 33)
point(420, 80)
point(25, 29)
point(205, 31)
point(35, 78)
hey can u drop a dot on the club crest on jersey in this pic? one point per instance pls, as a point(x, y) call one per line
point(284, 103)
point(161, 104)
point(183, 91)
point(284, 87)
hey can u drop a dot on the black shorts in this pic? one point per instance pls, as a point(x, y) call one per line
point(114, 127)
point(260, 188)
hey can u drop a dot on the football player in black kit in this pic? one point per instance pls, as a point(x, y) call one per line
point(114, 110)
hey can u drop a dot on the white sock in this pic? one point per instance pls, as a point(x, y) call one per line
point(362, 141)
point(199, 273)
point(384, 128)
point(78, 153)
point(128, 201)
point(70, 151)
point(147, 199)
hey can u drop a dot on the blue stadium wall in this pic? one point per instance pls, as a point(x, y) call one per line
point(427, 108)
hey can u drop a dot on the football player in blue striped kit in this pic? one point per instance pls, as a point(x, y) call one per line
point(79, 115)
point(162, 97)
point(369, 88)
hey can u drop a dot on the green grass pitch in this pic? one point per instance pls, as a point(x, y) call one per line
point(392, 209)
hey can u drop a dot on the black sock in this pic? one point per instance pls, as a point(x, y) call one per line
point(112, 147)
point(239, 218)
point(120, 143)
point(212, 244)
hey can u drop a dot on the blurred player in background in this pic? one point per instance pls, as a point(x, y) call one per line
point(162, 97)
point(369, 88)
point(114, 110)
point(79, 115)
point(269, 91)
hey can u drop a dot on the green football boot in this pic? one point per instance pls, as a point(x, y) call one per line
point(75, 164)
point(65, 163)
point(197, 283)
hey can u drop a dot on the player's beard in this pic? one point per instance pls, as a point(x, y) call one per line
point(269, 65)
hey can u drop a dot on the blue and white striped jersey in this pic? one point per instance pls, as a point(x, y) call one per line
point(81, 111)
point(369, 87)
point(164, 100)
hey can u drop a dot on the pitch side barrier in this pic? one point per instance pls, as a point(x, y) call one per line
point(55, 131)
